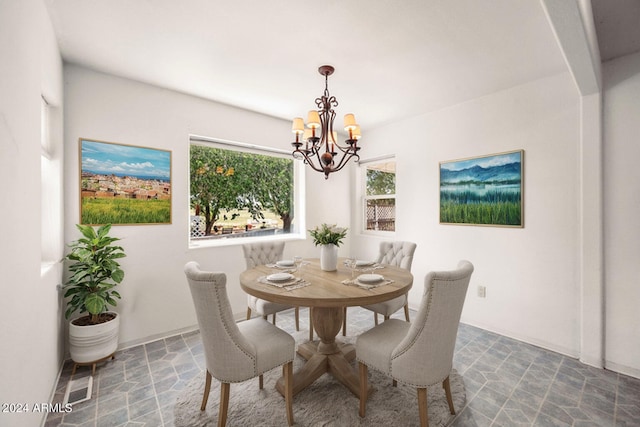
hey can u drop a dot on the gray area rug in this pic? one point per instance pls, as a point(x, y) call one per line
point(324, 403)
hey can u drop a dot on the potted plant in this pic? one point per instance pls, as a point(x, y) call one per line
point(329, 237)
point(94, 274)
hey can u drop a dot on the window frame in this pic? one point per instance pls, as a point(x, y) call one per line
point(363, 197)
point(298, 231)
point(51, 239)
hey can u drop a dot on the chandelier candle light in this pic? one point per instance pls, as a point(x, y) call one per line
point(320, 141)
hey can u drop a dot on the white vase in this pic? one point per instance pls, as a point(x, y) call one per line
point(93, 342)
point(329, 257)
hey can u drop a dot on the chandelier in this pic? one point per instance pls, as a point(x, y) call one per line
point(318, 144)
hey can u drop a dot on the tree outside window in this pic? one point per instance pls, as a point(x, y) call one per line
point(380, 196)
point(237, 192)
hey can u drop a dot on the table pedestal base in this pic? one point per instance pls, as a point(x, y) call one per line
point(326, 355)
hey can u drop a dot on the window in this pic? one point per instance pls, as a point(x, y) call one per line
point(242, 191)
point(50, 193)
point(379, 195)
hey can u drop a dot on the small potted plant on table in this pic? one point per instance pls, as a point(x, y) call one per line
point(329, 238)
point(94, 274)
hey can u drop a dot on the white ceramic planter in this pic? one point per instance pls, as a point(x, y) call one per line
point(94, 342)
point(329, 257)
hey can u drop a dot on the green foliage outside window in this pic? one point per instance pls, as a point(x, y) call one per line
point(380, 188)
point(224, 180)
point(380, 182)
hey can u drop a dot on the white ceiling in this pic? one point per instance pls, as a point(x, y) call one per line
point(393, 59)
point(618, 27)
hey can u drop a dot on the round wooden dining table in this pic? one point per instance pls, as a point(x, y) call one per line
point(327, 297)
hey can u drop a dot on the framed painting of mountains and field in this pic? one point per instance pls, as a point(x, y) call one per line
point(485, 190)
point(124, 184)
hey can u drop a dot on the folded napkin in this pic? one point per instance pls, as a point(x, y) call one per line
point(294, 283)
point(359, 284)
point(289, 269)
point(369, 267)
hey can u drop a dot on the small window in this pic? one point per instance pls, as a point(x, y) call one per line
point(380, 195)
point(50, 194)
point(241, 191)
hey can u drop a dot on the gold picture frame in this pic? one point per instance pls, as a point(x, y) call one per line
point(124, 184)
point(484, 190)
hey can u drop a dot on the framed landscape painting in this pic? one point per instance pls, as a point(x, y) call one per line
point(485, 190)
point(124, 184)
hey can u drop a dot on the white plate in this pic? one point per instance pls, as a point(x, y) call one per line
point(279, 277)
point(361, 263)
point(370, 278)
point(285, 263)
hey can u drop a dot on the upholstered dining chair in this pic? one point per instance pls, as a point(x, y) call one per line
point(419, 353)
point(399, 254)
point(236, 352)
point(259, 254)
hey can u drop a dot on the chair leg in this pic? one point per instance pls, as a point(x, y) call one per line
point(310, 324)
point(248, 313)
point(224, 404)
point(207, 388)
point(287, 373)
point(447, 389)
point(406, 312)
point(297, 319)
point(363, 389)
point(344, 322)
point(422, 407)
point(375, 318)
point(261, 382)
point(386, 318)
point(274, 318)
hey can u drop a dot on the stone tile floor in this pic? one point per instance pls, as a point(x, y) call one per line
point(508, 383)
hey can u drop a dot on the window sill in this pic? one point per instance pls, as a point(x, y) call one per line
point(48, 267)
point(379, 233)
point(237, 241)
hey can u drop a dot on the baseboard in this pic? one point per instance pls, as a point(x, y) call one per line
point(528, 340)
point(52, 395)
point(609, 365)
point(151, 338)
point(594, 362)
point(240, 316)
point(622, 369)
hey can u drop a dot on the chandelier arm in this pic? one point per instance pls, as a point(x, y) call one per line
point(309, 161)
point(343, 148)
point(345, 159)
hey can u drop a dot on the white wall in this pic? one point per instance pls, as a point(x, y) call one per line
point(621, 79)
point(155, 297)
point(530, 273)
point(31, 355)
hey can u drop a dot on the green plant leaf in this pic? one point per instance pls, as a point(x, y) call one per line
point(94, 272)
point(87, 231)
point(94, 303)
point(104, 230)
point(117, 275)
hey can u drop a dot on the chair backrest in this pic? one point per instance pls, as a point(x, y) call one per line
point(399, 254)
point(262, 253)
point(425, 356)
point(229, 355)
